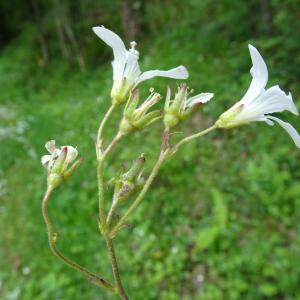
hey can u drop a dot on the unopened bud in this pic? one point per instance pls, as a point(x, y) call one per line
point(136, 169)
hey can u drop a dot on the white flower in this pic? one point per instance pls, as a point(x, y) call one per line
point(49, 159)
point(57, 163)
point(126, 71)
point(258, 103)
point(182, 106)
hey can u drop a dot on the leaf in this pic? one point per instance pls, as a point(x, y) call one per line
point(206, 237)
point(219, 210)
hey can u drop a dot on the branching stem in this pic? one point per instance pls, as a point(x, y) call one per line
point(163, 154)
point(175, 148)
point(52, 243)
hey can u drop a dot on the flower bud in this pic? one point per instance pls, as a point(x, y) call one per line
point(57, 163)
point(137, 118)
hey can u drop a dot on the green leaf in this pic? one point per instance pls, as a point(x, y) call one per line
point(219, 210)
point(206, 237)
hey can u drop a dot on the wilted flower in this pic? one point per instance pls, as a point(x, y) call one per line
point(182, 107)
point(137, 118)
point(57, 163)
point(126, 71)
point(258, 103)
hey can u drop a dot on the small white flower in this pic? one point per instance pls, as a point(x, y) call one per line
point(57, 163)
point(126, 71)
point(49, 159)
point(258, 103)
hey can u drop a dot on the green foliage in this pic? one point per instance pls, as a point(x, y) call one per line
point(207, 236)
point(222, 218)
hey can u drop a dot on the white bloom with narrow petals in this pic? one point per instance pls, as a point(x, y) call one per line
point(258, 102)
point(126, 71)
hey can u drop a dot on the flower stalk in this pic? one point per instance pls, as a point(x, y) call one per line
point(52, 239)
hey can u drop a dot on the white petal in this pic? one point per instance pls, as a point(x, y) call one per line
point(289, 129)
point(293, 109)
point(45, 159)
point(201, 98)
point(119, 50)
point(175, 73)
point(50, 146)
point(259, 74)
point(71, 154)
point(132, 70)
point(273, 100)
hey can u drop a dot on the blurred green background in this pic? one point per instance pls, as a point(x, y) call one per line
point(222, 218)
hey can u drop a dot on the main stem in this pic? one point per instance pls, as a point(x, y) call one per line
point(101, 156)
point(52, 243)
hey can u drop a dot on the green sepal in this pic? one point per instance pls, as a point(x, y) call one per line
point(73, 168)
point(148, 119)
point(131, 104)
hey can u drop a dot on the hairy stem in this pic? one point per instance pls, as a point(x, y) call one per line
point(191, 137)
point(102, 218)
point(101, 156)
point(52, 243)
point(142, 193)
point(115, 268)
point(111, 211)
point(100, 130)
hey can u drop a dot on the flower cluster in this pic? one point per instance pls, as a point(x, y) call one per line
point(256, 105)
